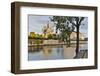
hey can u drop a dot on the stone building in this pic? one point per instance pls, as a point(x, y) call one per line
point(47, 30)
point(73, 36)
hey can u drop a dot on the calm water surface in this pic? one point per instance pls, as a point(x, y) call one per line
point(53, 52)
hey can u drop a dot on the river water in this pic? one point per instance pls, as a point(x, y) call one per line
point(53, 52)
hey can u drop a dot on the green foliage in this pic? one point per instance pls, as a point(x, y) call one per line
point(55, 36)
point(50, 36)
point(76, 21)
point(58, 21)
point(63, 36)
point(33, 35)
point(64, 26)
point(37, 41)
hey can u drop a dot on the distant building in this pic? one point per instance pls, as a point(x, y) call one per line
point(47, 30)
point(73, 36)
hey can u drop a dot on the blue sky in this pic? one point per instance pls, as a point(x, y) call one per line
point(36, 23)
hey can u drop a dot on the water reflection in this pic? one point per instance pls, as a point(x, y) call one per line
point(53, 52)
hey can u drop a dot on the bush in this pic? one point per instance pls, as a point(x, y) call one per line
point(50, 36)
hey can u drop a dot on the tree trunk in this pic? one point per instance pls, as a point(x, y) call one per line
point(77, 43)
point(69, 41)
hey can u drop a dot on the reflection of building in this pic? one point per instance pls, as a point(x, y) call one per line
point(48, 30)
point(47, 51)
point(73, 36)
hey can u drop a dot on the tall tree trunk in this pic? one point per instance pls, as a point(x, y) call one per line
point(77, 43)
point(69, 40)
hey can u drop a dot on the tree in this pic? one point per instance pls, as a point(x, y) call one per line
point(58, 21)
point(64, 26)
point(70, 29)
point(76, 21)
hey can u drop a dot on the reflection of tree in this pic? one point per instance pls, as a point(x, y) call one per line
point(35, 49)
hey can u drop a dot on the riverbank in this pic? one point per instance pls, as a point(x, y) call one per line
point(53, 43)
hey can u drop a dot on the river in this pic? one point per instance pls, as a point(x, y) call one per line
point(53, 52)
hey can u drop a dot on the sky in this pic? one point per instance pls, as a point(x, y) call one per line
point(37, 22)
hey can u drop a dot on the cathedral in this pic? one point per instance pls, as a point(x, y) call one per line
point(47, 30)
